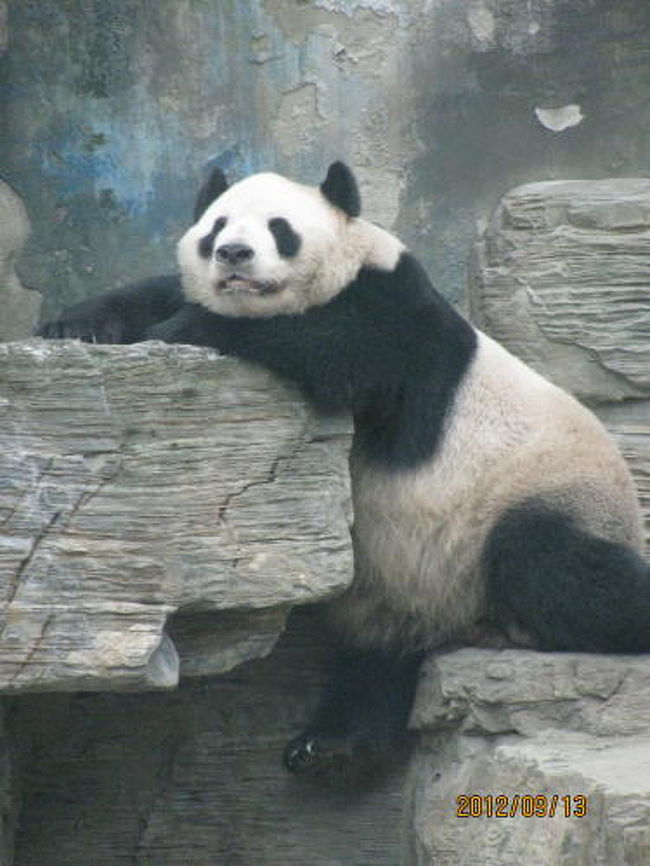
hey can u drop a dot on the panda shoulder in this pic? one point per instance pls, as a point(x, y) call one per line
point(374, 246)
point(511, 382)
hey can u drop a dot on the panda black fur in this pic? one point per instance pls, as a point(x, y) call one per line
point(484, 496)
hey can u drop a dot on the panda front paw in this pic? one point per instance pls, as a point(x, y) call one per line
point(89, 329)
point(60, 329)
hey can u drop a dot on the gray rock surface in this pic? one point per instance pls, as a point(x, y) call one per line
point(193, 777)
point(561, 278)
point(522, 691)
point(572, 730)
point(150, 484)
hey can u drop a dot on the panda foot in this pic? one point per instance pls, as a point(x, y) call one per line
point(316, 754)
point(341, 762)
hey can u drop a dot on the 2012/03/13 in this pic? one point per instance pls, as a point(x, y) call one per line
point(521, 805)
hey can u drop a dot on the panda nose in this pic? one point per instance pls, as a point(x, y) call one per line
point(234, 254)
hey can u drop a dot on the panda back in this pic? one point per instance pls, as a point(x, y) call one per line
point(510, 438)
point(536, 440)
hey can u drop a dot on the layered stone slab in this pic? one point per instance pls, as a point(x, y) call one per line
point(140, 483)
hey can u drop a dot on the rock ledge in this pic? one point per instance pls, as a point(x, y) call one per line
point(152, 484)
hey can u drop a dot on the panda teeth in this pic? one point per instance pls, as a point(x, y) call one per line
point(235, 284)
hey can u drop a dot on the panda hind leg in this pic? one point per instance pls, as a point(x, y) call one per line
point(567, 589)
point(359, 729)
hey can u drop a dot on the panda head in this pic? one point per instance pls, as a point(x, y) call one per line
point(268, 245)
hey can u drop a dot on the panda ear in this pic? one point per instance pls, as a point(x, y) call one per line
point(340, 188)
point(211, 189)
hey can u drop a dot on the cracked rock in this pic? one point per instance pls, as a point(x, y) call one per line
point(148, 482)
point(561, 278)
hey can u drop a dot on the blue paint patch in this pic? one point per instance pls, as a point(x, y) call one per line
point(80, 163)
point(233, 162)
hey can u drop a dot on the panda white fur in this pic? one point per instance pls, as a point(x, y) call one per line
point(485, 498)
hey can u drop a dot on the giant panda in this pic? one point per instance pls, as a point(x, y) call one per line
point(487, 501)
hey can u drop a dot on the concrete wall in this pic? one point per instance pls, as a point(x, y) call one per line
point(113, 109)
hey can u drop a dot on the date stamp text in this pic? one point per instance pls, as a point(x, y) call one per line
point(521, 805)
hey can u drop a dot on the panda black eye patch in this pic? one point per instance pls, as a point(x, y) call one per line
point(206, 243)
point(286, 240)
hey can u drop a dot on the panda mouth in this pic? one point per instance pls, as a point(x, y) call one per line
point(238, 284)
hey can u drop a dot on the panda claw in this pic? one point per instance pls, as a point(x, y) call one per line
point(310, 754)
point(302, 755)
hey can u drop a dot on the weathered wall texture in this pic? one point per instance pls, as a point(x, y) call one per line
point(20, 306)
point(108, 138)
point(442, 105)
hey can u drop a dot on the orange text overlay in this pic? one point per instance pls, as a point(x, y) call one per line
point(521, 806)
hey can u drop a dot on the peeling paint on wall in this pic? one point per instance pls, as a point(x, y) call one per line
point(19, 307)
point(559, 119)
point(113, 127)
point(297, 124)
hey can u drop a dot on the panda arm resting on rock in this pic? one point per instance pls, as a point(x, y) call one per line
point(485, 498)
